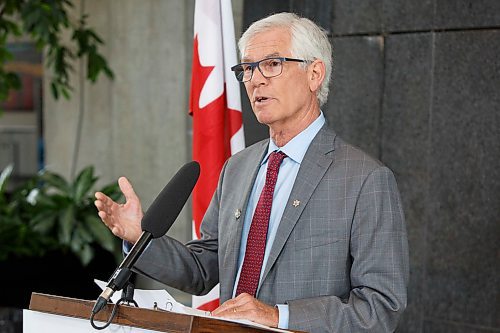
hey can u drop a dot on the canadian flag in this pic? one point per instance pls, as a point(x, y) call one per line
point(215, 105)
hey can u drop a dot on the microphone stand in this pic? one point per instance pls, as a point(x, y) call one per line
point(128, 291)
point(122, 274)
point(119, 280)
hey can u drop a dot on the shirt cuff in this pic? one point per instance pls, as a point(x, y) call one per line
point(283, 316)
point(126, 247)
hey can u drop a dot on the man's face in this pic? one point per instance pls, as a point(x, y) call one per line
point(280, 100)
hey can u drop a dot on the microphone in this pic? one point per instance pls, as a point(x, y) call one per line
point(156, 222)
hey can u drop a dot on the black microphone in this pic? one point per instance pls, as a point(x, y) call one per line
point(155, 223)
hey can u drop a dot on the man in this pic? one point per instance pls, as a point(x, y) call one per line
point(304, 231)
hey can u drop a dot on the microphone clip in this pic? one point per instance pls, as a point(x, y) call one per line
point(128, 294)
point(116, 282)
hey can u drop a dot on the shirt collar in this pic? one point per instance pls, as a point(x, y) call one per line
point(297, 147)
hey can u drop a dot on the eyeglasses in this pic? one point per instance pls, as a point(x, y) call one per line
point(269, 67)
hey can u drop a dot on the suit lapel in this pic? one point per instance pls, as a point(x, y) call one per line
point(312, 169)
point(230, 262)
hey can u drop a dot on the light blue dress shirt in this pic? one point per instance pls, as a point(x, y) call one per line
point(295, 149)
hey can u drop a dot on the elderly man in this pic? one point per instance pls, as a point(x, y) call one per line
point(304, 231)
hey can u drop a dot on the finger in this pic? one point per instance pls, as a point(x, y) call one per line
point(255, 311)
point(127, 189)
point(238, 304)
point(244, 298)
point(104, 199)
point(116, 231)
point(102, 207)
point(235, 312)
point(101, 196)
point(99, 205)
point(243, 301)
point(105, 218)
point(226, 306)
point(228, 313)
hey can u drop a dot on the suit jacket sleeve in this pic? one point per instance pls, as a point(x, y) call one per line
point(191, 267)
point(379, 271)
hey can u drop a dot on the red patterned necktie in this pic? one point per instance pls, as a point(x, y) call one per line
point(256, 241)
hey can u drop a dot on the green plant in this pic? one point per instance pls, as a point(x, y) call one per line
point(16, 235)
point(48, 212)
point(44, 21)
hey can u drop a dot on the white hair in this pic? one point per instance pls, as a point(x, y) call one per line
point(308, 42)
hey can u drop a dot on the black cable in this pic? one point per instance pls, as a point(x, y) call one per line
point(111, 317)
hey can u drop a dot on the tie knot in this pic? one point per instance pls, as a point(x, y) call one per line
point(275, 159)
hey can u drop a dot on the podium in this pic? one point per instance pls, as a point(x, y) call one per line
point(63, 314)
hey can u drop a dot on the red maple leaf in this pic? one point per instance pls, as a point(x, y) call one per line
point(213, 126)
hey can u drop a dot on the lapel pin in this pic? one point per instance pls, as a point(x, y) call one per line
point(237, 213)
point(296, 203)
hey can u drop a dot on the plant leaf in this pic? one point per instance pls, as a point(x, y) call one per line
point(44, 222)
point(101, 233)
point(76, 244)
point(55, 180)
point(4, 176)
point(83, 233)
point(66, 222)
point(83, 183)
point(86, 254)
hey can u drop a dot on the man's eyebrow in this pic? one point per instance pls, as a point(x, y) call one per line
point(271, 55)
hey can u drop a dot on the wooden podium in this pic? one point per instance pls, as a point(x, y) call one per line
point(70, 312)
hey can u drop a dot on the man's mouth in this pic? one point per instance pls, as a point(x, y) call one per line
point(261, 99)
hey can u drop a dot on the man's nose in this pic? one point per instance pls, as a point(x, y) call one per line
point(257, 77)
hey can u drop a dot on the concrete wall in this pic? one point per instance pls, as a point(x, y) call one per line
point(136, 125)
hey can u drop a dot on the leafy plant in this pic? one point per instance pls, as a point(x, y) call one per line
point(44, 21)
point(48, 212)
point(16, 235)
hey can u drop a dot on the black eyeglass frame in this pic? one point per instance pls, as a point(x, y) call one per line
point(256, 64)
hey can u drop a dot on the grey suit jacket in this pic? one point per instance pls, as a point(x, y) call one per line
point(339, 259)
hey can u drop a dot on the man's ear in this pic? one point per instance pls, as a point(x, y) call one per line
point(316, 74)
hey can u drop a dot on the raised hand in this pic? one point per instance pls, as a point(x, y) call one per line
point(124, 220)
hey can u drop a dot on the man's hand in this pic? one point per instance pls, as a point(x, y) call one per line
point(245, 306)
point(124, 220)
